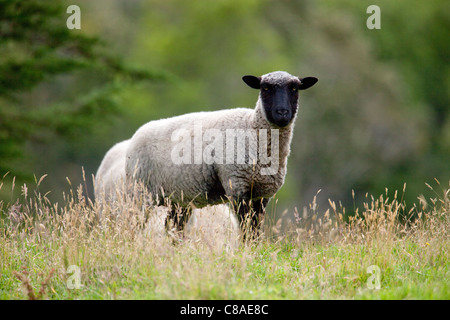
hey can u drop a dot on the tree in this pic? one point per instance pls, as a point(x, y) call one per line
point(36, 47)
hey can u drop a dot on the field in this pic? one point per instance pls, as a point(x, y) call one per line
point(386, 250)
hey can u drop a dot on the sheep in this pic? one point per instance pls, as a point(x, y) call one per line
point(192, 158)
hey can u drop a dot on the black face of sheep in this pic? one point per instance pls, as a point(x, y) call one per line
point(279, 95)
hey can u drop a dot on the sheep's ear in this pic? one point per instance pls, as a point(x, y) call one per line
point(307, 82)
point(252, 81)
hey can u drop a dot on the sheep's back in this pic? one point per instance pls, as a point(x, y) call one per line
point(149, 156)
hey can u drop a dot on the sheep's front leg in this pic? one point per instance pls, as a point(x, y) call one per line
point(251, 215)
point(178, 217)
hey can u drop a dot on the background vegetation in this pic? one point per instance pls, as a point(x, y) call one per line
point(378, 117)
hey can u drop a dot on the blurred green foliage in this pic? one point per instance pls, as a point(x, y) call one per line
point(55, 83)
point(377, 118)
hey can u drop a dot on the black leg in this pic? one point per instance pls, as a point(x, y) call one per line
point(178, 216)
point(259, 209)
point(251, 215)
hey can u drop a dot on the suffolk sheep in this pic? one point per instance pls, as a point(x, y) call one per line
point(237, 155)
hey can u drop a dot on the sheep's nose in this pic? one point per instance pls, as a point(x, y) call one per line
point(283, 112)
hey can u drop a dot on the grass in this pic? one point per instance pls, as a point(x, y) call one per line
point(119, 254)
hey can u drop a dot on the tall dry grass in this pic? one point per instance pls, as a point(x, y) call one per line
point(385, 218)
point(124, 251)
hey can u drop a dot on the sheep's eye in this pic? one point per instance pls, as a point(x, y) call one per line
point(266, 88)
point(294, 89)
